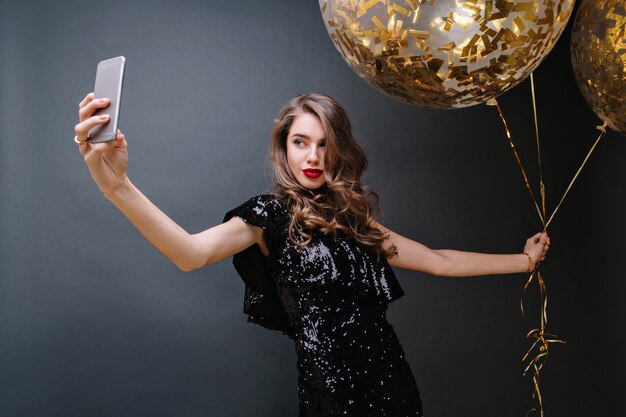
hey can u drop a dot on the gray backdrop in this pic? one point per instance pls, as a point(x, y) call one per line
point(95, 322)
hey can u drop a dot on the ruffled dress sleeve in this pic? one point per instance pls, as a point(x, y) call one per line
point(261, 301)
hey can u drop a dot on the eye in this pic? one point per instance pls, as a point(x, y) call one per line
point(322, 144)
point(298, 142)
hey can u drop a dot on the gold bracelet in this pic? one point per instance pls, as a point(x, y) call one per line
point(530, 262)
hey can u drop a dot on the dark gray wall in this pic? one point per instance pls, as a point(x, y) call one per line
point(95, 322)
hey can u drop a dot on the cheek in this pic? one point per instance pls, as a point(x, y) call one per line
point(292, 157)
point(295, 154)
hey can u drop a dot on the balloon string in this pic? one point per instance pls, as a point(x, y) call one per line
point(542, 188)
point(602, 130)
point(493, 101)
point(537, 354)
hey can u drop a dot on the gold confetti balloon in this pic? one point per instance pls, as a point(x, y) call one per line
point(444, 53)
point(599, 59)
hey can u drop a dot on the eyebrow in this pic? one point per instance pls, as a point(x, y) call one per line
point(302, 135)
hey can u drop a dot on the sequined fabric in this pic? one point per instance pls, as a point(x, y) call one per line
point(331, 298)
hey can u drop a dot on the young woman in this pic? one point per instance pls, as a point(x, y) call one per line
point(315, 261)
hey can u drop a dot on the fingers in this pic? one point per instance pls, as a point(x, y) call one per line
point(86, 100)
point(541, 237)
point(87, 120)
point(91, 150)
point(89, 108)
point(84, 147)
point(534, 239)
point(537, 247)
point(544, 241)
point(120, 139)
point(82, 128)
point(86, 108)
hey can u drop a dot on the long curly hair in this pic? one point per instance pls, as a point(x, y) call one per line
point(343, 204)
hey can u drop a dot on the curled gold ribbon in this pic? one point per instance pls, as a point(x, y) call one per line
point(537, 354)
point(494, 102)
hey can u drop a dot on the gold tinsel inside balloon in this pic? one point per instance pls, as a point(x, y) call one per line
point(599, 59)
point(444, 53)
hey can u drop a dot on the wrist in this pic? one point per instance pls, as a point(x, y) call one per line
point(119, 191)
point(531, 262)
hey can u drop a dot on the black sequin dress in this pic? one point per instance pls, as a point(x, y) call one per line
point(330, 298)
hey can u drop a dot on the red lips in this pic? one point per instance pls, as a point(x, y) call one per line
point(312, 172)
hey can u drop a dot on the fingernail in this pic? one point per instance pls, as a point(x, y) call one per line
point(104, 117)
point(102, 100)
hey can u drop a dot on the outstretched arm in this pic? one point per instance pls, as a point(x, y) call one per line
point(107, 164)
point(187, 251)
point(452, 263)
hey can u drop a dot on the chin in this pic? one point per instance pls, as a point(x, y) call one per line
point(311, 185)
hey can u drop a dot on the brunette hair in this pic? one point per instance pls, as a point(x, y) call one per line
point(345, 205)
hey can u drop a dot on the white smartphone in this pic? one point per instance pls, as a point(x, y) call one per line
point(109, 81)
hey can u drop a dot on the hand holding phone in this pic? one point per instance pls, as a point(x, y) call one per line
point(109, 81)
point(105, 151)
point(107, 162)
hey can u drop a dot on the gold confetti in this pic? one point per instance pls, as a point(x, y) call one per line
point(447, 47)
point(401, 10)
point(419, 34)
point(376, 21)
point(369, 4)
point(599, 59)
point(449, 22)
point(484, 47)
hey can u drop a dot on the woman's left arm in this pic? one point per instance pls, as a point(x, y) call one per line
point(453, 263)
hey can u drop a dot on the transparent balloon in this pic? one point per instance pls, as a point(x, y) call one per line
point(599, 59)
point(444, 53)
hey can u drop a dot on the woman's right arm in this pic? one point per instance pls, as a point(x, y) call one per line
point(187, 251)
point(107, 165)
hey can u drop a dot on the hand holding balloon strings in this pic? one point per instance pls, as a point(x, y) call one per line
point(541, 343)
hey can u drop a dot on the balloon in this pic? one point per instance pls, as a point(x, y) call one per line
point(444, 53)
point(599, 59)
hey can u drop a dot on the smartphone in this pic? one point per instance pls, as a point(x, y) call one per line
point(109, 80)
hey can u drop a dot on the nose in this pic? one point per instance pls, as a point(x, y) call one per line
point(313, 157)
